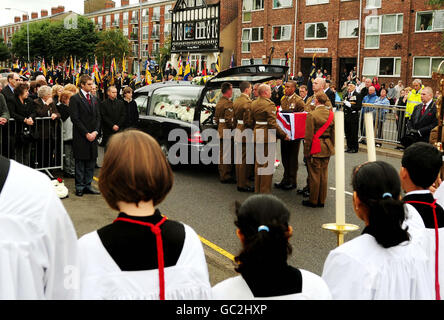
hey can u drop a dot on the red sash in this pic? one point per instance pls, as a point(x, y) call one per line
point(160, 261)
point(316, 143)
point(433, 205)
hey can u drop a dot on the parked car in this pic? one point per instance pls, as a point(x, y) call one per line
point(171, 105)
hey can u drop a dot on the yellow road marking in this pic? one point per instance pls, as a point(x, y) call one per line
point(213, 246)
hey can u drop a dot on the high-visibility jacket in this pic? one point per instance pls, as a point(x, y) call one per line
point(413, 99)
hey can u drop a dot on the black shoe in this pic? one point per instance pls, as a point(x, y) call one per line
point(79, 193)
point(90, 190)
point(301, 191)
point(288, 187)
point(320, 205)
point(279, 185)
point(351, 151)
point(307, 203)
point(306, 194)
point(247, 189)
point(229, 181)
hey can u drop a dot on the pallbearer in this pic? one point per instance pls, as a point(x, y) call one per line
point(223, 116)
point(319, 145)
point(291, 102)
point(242, 119)
point(264, 118)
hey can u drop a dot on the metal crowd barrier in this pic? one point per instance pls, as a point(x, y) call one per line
point(389, 122)
point(39, 146)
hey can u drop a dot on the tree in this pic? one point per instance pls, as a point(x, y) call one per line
point(50, 39)
point(164, 55)
point(112, 44)
point(5, 54)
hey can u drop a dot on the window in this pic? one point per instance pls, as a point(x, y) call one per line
point(372, 32)
point(145, 15)
point(145, 33)
point(316, 30)
point(156, 14)
point(125, 18)
point(246, 10)
point(382, 67)
point(279, 62)
point(277, 4)
point(201, 28)
point(156, 46)
point(315, 2)
point(424, 66)
point(116, 19)
point(167, 30)
point(100, 21)
point(251, 35)
point(125, 31)
point(156, 31)
point(245, 62)
point(391, 23)
point(167, 12)
point(281, 33)
point(171, 102)
point(372, 4)
point(348, 28)
point(430, 21)
point(108, 21)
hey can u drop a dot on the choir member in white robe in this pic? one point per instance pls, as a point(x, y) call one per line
point(383, 263)
point(263, 230)
point(38, 243)
point(142, 254)
point(421, 165)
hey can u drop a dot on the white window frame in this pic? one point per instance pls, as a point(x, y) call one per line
point(201, 27)
point(118, 18)
point(281, 26)
point(145, 35)
point(430, 66)
point(156, 44)
point(377, 33)
point(433, 21)
point(125, 18)
point(282, 7)
point(315, 37)
point(396, 27)
point(343, 23)
point(166, 12)
point(108, 20)
point(317, 2)
point(245, 60)
point(378, 60)
point(125, 31)
point(367, 6)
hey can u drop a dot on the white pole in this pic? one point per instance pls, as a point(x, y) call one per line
point(370, 134)
point(340, 168)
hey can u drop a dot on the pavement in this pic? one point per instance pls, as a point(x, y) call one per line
point(199, 200)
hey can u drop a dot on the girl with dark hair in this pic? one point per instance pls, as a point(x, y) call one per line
point(262, 222)
point(382, 263)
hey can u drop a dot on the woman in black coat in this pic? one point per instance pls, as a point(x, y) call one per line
point(23, 112)
point(132, 113)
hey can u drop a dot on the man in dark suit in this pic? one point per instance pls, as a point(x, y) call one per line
point(330, 94)
point(352, 106)
point(113, 114)
point(423, 119)
point(85, 117)
point(303, 93)
point(277, 93)
point(8, 91)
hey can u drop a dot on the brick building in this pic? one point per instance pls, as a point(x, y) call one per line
point(389, 39)
point(147, 25)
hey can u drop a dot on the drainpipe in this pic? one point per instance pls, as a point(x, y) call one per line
point(358, 64)
point(295, 29)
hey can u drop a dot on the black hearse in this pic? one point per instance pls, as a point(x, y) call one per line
point(171, 105)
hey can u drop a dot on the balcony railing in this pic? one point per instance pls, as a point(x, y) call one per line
point(134, 37)
point(155, 17)
point(115, 23)
point(135, 21)
point(145, 18)
point(154, 35)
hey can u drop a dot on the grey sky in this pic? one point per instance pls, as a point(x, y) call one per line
point(7, 16)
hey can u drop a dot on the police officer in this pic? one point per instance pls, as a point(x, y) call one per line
point(264, 119)
point(291, 102)
point(243, 138)
point(223, 116)
point(319, 131)
point(352, 106)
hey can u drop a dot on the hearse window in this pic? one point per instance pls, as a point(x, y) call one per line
point(212, 97)
point(141, 103)
point(175, 102)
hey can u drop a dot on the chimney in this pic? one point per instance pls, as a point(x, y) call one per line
point(124, 3)
point(61, 9)
point(44, 13)
point(53, 10)
point(17, 19)
point(110, 4)
point(34, 15)
point(25, 17)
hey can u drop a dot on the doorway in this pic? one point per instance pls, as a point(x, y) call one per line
point(346, 64)
point(321, 63)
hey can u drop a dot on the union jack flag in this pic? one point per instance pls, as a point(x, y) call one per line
point(293, 123)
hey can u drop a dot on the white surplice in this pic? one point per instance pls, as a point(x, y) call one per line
point(38, 243)
point(361, 269)
point(425, 237)
point(101, 277)
point(236, 288)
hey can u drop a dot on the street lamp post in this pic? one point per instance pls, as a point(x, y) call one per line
point(27, 26)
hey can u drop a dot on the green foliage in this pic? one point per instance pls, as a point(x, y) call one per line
point(112, 44)
point(50, 39)
point(5, 54)
point(164, 54)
